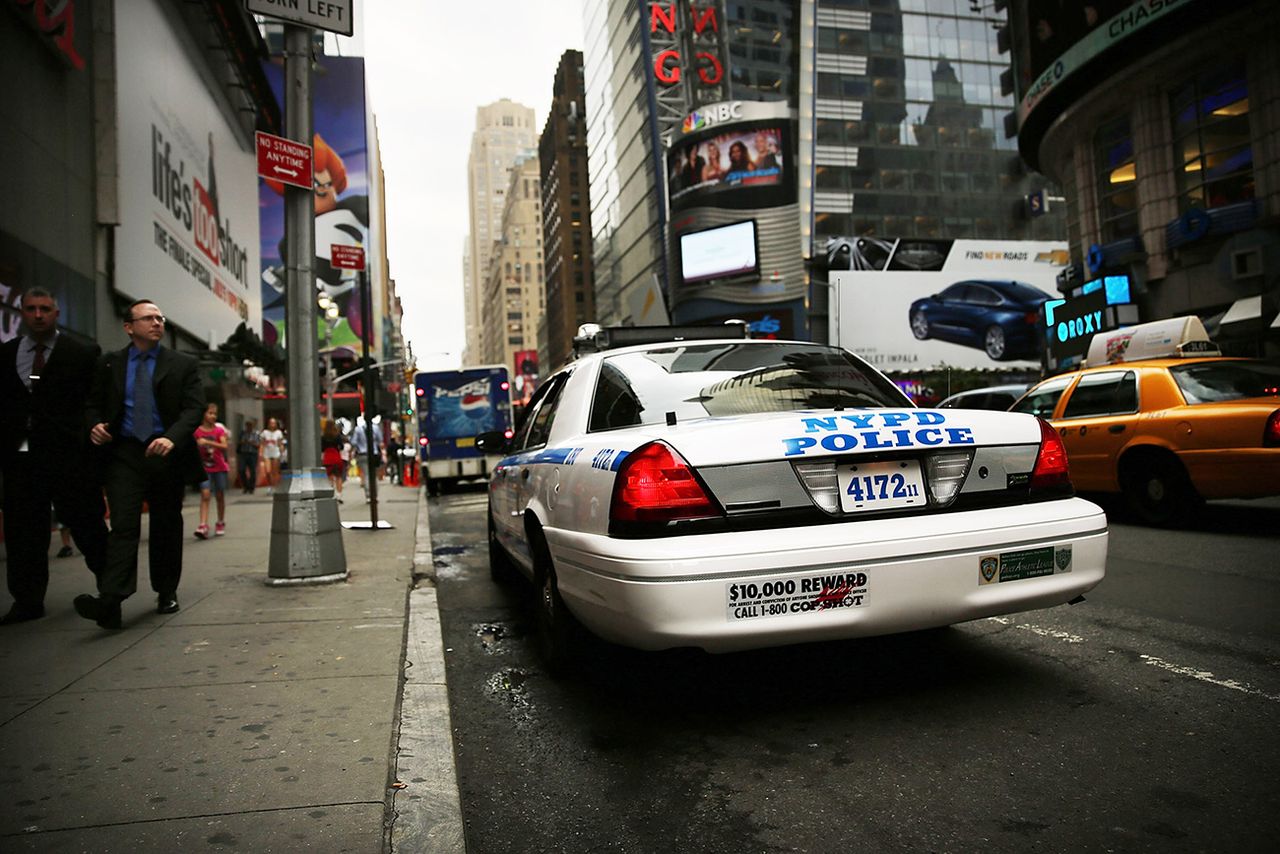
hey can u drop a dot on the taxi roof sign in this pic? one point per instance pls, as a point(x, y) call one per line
point(1159, 339)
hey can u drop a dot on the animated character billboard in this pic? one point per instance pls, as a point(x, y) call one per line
point(341, 194)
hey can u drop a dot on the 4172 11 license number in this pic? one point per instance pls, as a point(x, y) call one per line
point(880, 486)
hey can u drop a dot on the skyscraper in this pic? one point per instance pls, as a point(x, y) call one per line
point(566, 213)
point(503, 130)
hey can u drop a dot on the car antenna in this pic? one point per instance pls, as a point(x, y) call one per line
point(671, 419)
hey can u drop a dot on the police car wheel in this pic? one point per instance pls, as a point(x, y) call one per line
point(560, 638)
point(920, 325)
point(993, 342)
point(1158, 490)
point(501, 569)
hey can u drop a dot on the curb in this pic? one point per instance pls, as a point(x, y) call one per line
point(426, 806)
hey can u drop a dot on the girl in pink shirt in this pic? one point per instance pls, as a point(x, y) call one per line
point(211, 439)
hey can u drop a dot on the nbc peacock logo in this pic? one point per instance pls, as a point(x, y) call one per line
point(693, 121)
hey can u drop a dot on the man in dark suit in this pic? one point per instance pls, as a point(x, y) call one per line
point(44, 380)
point(145, 403)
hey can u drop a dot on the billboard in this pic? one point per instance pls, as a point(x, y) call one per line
point(526, 377)
point(720, 252)
point(342, 207)
point(188, 192)
point(958, 304)
point(735, 159)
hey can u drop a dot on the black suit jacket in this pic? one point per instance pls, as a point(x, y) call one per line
point(53, 407)
point(179, 396)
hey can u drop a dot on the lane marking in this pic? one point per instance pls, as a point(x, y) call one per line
point(1154, 661)
point(1207, 676)
point(1037, 630)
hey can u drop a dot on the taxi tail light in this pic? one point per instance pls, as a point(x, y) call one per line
point(655, 484)
point(1271, 435)
point(1031, 318)
point(1051, 471)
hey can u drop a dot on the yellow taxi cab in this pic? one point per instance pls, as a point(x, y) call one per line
point(1158, 414)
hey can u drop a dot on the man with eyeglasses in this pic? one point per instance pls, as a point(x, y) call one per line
point(144, 407)
point(44, 380)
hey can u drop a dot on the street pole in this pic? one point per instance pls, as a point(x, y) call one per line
point(306, 536)
point(371, 472)
point(368, 378)
point(300, 252)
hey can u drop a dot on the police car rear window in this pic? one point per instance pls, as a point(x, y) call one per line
point(733, 378)
point(1208, 382)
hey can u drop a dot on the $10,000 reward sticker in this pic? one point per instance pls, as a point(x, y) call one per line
point(793, 595)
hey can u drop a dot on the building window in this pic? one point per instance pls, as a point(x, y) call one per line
point(1213, 154)
point(1117, 180)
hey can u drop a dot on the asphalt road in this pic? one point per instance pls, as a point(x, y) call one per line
point(1146, 718)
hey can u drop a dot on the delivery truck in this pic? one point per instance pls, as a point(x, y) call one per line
point(454, 407)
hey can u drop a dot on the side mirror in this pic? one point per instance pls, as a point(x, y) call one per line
point(492, 442)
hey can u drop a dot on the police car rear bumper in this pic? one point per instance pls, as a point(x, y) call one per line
point(726, 592)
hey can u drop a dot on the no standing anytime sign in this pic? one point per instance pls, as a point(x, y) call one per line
point(284, 160)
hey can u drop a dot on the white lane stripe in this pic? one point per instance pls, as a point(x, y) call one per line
point(1154, 661)
point(1206, 676)
point(1044, 633)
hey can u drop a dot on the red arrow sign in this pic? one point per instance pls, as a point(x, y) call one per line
point(284, 160)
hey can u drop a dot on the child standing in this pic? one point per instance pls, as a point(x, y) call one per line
point(211, 438)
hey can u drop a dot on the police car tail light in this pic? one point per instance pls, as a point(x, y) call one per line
point(1271, 435)
point(1051, 461)
point(655, 484)
point(946, 474)
point(823, 485)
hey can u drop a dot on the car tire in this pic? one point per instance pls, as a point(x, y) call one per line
point(501, 569)
point(561, 639)
point(1157, 490)
point(920, 325)
point(433, 487)
point(994, 343)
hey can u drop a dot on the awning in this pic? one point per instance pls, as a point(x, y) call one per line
point(1248, 308)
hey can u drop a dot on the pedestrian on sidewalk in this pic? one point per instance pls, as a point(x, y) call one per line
point(144, 406)
point(247, 456)
point(272, 444)
point(394, 461)
point(211, 439)
point(331, 442)
point(360, 447)
point(44, 381)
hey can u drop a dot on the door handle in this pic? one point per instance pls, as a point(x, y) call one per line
point(524, 475)
point(1116, 428)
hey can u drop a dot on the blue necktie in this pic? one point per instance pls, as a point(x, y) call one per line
point(144, 401)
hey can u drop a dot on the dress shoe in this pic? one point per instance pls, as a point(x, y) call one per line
point(65, 551)
point(167, 603)
point(19, 614)
point(105, 612)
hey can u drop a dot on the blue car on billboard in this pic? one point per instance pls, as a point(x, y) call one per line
point(1000, 317)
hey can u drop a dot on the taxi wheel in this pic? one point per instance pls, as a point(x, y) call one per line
point(1158, 490)
point(920, 325)
point(560, 637)
point(501, 570)
point(993, 342)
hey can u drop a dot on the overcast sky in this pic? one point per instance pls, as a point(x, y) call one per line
point(429, 65)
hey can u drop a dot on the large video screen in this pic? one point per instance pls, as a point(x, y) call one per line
point(722, 252)
point(732, 160)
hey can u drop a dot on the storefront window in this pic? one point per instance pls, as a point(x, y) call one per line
point(1117, 180)
point(1213, 154)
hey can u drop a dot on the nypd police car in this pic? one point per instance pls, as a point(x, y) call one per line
point(727, 493)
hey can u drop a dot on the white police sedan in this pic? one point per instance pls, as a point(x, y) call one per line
point(729, 494)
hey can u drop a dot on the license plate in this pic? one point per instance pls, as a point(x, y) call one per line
point(470, 442)
point(880, 486)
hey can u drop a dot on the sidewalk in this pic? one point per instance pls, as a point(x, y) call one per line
point(255, 719)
